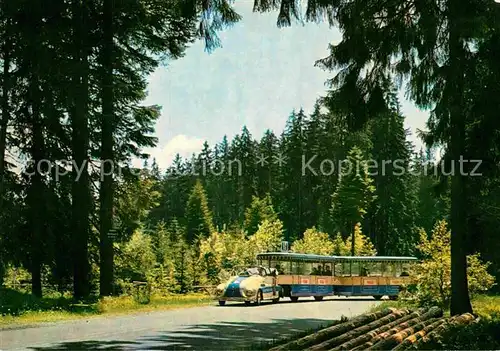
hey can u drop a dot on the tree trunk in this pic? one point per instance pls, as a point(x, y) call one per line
point(353, 244)
point(326, 345)
point(37, 188)
point(37, 207)
point(460, 301)
point(394, 340)
point(412, 339)
point(4, 121)
point(373, 335)
point(80, 143)
point(433, 312)
point(107, 155)
point(333, 331)
point(435, 333)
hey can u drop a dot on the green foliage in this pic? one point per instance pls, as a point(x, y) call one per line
point(340, 247)
point(16, 303)
point(354, 193)
point(483, 335)
point(135, 198)
point(433, 274)
point(199, 221)
point(391, 216)
point(314, 242)
point(142, 293)
point(260, 209)
point(362, 244)
point(137, 258)
point(225, 253)
point(268, 237)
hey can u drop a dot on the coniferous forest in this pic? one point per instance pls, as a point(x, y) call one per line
point(76, 216)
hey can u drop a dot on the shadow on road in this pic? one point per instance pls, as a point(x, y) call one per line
point(303, 300)
point(230, 336)
point(220, 336)
point(90, 345)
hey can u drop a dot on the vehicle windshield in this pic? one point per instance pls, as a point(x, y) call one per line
point(250, 271)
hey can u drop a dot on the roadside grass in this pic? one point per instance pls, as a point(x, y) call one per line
point(19, 308)
point(399, 304)
point(485, 306)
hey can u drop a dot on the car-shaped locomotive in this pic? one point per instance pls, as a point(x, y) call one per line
point(254, 284)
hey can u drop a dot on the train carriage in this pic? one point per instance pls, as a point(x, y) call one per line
point(294, 275)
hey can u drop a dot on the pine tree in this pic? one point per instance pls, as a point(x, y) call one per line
point(353, 196)
point(290, 203)
point(182, 257)
point(391, 218)
point(199, 222)
point(247, 184)
point(267, 169)
point(260, 209)
point(314, 242)
point(223, 185)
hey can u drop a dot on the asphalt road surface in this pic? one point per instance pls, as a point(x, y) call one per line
point(231, 327)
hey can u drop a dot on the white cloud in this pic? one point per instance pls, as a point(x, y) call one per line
point(181, 144)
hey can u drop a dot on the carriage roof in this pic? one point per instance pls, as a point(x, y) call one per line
point(292, 256)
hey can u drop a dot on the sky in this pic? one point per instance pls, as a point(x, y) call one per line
point(259, 75)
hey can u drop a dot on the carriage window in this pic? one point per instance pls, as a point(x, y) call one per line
point(386, 269)
point(356, 269)
point(405, 270)
point(375, 269)
point(307, 268)
point(283, 267)
point(277, 265)
point(316, 269)
point(295, 267)
point(398, 269)
point(339, 269)
point(346, 266)
point(391, 269)
point(327, 269)
point(364, 269)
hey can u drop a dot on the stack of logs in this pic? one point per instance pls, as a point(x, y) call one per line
point(389, 329)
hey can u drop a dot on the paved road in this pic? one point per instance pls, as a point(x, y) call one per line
point(202, 328)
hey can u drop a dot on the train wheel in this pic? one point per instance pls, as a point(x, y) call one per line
point(222, 303)
point(294, 298)
point(393, 298)
point(378, 297)
point(276, 300)
point(318, 298)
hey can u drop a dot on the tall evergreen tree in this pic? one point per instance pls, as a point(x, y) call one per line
point(353, 195)
point(391, 216)
point(260, 209)
point(290, 204)
point(267, 169)
point(199, 221)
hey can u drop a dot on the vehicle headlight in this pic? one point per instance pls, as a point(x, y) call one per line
point(249, 292)
point(220, 289)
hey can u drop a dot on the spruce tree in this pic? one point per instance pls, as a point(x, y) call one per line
point(260, 209)
point(391, 220)
point(198, 217)
point(353, 196)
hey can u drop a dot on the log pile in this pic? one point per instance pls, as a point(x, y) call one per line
point(389, 329)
